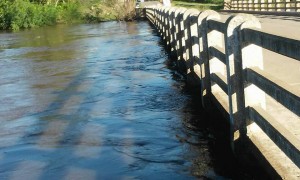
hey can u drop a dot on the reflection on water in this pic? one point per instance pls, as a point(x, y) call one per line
point(99, 102)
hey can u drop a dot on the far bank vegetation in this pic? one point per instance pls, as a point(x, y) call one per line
point(20, 14)
point(110, 9)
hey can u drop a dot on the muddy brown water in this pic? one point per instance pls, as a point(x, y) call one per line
point(102, 101)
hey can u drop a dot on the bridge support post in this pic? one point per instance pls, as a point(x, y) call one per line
point(235, 64)
point(167, 30)
point(172, 31)
point(180, 43)
point(192, 46)
point(204, 55)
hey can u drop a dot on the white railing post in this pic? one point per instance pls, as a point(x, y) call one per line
point(204, 55)
point(192, 49)
point(234, 65)
point(179, 37)
point(172, 30)
point(188, 58)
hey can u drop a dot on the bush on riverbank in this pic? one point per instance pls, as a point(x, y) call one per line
point(106, 10)
point(19, 14)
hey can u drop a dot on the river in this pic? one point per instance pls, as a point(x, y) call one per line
point(102, 101)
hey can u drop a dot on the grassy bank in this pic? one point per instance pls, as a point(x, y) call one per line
point(105, 10)
point(201, 5)
point(21, 14)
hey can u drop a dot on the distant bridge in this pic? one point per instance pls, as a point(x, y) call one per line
point(263, 5)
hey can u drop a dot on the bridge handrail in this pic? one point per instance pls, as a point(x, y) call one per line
point(281, 45)
point(281, 136)
point(175, 24)
point(217, 25)
point(280, 91)
point(263, 5)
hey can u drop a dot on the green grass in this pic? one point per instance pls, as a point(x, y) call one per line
point(22, 14)
point(205, 5)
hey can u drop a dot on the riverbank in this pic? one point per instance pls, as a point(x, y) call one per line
point(23, 14)
point(109, 10)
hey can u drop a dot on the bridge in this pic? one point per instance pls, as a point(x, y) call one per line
point(246, 66)
point(263, 5)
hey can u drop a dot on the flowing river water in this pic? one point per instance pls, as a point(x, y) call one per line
point(102, 101)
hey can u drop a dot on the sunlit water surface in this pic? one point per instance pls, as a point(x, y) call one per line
point(99, 102)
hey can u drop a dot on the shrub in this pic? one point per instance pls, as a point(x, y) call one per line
point(5, 16)
point(19, 14)
point(50, 14)
point(110, 10)
point(69, 12)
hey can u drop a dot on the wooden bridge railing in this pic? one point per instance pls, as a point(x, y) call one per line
point(225, 59)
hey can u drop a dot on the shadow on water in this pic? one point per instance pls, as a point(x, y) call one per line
point(98, 102)
point(212, 131)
